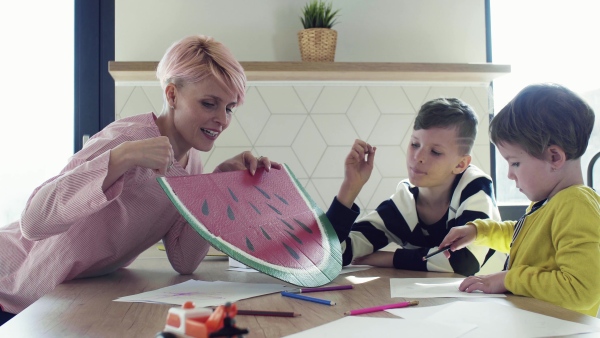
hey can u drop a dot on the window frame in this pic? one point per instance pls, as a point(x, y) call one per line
point(509, 211)
point(94, 90)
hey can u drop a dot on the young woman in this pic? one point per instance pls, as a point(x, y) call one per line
point(106, 206)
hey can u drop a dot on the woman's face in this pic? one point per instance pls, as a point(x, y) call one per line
point(203, 111)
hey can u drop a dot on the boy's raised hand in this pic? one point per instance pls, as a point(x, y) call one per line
point(357, 170)
point(458, 238)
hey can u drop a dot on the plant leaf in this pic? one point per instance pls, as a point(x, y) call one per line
point(318, 14)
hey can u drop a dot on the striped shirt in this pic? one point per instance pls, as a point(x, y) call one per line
point(396, 221)
point(71, 229)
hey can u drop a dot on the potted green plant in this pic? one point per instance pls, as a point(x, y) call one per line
point(318, 40)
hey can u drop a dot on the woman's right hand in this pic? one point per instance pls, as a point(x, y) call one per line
point(153, 153)
point(357, 170)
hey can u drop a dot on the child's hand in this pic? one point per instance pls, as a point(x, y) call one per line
point(357, 170)
point(493, 283)
point(383, 259)
point(458, 238)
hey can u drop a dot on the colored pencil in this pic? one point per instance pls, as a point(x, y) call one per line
point(446, 248)
point(326, 288)
point(308, 299)
point(268, 313)
point(381, 308)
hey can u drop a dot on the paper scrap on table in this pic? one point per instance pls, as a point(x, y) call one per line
point(204, 293)
point(354, 268)
point(240, 267)
point(494, 320)
point(360, 327)
point(432, 288)
point(346, 269)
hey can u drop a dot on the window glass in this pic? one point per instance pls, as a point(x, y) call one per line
point(37, 97)
point(546, 41)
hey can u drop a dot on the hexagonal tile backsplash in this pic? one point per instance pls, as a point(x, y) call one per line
point(312, 126)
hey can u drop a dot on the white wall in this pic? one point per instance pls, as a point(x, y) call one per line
point(312, 126)
point(266, 30)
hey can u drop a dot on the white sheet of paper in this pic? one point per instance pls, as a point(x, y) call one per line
point(494, 320)
point(417, 312)
point(360, 327)
point(204, 293)
point(432, 288)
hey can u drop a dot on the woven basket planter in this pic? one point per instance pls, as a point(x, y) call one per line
point(317, 44)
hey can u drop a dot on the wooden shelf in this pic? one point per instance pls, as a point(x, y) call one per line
point(144, 71)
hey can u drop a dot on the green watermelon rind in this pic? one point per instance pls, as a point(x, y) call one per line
point(319, 275)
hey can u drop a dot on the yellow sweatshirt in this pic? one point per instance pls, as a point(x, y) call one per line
point(556, 256)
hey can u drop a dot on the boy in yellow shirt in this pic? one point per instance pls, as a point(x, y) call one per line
point(555, 247)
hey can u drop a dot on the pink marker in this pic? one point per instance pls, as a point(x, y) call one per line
point(381, 308)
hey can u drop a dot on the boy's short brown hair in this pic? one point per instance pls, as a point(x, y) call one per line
point(449, 113)
point(542, 115)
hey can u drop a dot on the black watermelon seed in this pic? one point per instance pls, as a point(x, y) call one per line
point(281, 199)
point(274, 209)
point(288, 224)
point(263, 192)
point(230, 213)
point(291, 251)
point(232, 195)
point(303, 226)
point(265, 233)
point(255, 208)
point(249, 244)
point(294, 237)
point(205, 208)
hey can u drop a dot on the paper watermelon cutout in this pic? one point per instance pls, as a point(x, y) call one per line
point(266, 221)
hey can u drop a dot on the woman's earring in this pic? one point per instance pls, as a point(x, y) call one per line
point(172, 107)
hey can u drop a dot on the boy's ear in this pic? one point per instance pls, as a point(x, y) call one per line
point(462, 165)
point(556, 156)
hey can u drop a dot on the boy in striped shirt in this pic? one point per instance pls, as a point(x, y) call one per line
point(443, 190)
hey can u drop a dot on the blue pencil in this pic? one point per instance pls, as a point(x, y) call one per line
point(306, 298)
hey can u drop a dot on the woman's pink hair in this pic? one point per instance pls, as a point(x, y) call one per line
point(197, 57)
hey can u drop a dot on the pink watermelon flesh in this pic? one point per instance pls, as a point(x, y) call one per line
point(266, 221)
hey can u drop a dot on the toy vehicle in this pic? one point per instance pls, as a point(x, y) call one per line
point(189, 321)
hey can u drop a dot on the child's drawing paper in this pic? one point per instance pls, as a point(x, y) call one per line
point(494, 320)
point(360, 327)
point(204, 293)
point(432, 288)
point(417, 312)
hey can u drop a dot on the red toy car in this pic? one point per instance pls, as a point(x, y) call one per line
point(189, 321)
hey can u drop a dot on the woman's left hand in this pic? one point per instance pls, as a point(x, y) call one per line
point(246, 160)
